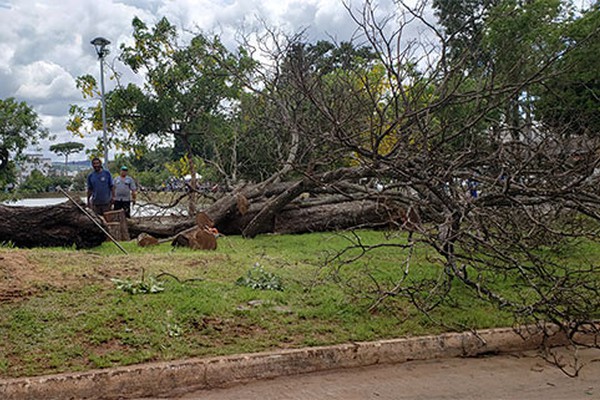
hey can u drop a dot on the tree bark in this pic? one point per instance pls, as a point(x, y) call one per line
point(314, 215)
point(299, 218)
point(271, 209)
point(51, 226)
point(160, 227)
point(260, 222)
point(361, 214)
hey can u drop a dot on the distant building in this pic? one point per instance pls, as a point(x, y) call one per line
point(72, 168)
point(32, 162)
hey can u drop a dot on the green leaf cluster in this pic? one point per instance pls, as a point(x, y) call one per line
point(144, 286)
point(20, 127)
point(260, 279)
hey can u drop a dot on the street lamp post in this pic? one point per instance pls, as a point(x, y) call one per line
point(100, 44)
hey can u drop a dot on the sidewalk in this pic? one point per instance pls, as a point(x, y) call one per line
point(514, 376)
point(170, 378)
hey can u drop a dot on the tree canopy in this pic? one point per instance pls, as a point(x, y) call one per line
point(67, 148)
point(20, 127)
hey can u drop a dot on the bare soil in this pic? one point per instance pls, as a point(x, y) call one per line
point(22, 275)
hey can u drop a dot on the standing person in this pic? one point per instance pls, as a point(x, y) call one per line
point(125, 192)
point(100, 188)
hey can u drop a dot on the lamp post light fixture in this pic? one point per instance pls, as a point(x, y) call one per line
point(100, 44)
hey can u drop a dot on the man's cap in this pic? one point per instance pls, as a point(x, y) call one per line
point(124, 168)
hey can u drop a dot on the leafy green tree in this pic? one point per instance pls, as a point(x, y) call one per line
point(7, 177)
point(20, 127)
point(148, 167)
point(67, 148)
point(186, 88)
point(55, 181)
point(464, 25)
point(79, 182)
point(280, 129)
point(570, 102)
point(523, 37)
point(497, 43)
point(36, 182)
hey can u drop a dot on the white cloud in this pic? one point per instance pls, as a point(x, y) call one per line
point(6, 55)
point(45, 80)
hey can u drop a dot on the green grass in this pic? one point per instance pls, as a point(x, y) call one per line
point(70, 316)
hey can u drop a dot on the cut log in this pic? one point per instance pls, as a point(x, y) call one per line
point(312, 215)
point(298, 218)
point(268, 213)
point(51, 226)
point(145, 240)
point(201, 237)
point(197, 239)
point(203, 221)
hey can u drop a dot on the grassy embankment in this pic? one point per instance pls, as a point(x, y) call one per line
point(62, 309)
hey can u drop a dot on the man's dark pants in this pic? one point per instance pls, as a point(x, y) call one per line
point(100, 209)
point(125, 206)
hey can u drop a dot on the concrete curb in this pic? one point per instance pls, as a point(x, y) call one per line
point(170, 378)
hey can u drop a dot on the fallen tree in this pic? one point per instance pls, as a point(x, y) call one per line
point(57, 225)
point(458, 134)
point(290, 207)
point(302, 218)
point(294, 218)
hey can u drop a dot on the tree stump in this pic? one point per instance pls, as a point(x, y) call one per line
point(202, 237)
point(117, 225)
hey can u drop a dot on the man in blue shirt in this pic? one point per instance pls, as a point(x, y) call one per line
point(101, 191)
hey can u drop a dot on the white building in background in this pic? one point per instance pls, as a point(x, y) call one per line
point(32, 162)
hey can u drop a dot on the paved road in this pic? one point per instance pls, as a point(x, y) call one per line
point(523, 376)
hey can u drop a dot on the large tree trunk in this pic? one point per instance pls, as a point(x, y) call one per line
point(275, 195)
point(267, 214)
point(361, 214)
point(228, 207)
point(59, 225)
point(320, 217)
point(160, 227)
point(315, 215)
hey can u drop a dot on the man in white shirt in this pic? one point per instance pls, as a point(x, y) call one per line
point(125, 192)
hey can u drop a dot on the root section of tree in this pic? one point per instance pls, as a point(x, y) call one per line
point(58, 225)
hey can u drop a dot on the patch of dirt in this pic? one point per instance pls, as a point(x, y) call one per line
point(21, 276)
point(18, 276)
point(26, 273)
point(122, 272)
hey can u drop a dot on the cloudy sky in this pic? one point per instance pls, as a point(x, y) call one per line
point(45, 44)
